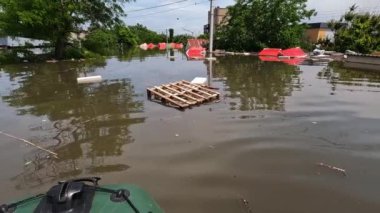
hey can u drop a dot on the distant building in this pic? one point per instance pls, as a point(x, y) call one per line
point(9, 42)
point(318, 31)
point(219, 15)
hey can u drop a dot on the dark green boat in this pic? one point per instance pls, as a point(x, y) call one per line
point(76, 195)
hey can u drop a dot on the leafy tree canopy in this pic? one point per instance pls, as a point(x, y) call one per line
point(254, 24)
point(357, 31)
point(145, 35)
point(54, 20)
point(203, 36)
point(105, 41)
point(182, 38)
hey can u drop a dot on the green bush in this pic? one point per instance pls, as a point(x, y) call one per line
point(73, 52)
point(357, 31)
point(100, 41)
point(91, 55)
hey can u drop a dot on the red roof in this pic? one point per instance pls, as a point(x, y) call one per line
point(162, 46)
point(195, 42)
point(151, 46)
point(196, 53)
point(294, 52)
point(270, 52)
point(178, 46)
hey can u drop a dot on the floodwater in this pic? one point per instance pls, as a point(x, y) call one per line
point(256, 150)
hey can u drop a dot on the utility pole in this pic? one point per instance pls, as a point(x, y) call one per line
point(211, 27)
point(209, 73)
point(167, 40)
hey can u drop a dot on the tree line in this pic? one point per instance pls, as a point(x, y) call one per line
point(255, 24)
point(250, 26)
point(57, 20)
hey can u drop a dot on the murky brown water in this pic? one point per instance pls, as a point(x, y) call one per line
point(254, 151)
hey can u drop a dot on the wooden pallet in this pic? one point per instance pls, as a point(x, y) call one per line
point(182, 94)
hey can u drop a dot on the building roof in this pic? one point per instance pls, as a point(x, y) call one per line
point(318, 25)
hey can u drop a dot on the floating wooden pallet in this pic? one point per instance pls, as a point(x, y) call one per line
point(182, 94)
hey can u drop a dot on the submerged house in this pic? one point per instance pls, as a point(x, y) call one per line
point(11, 42)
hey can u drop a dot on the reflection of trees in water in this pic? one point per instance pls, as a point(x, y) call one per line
point(258, 85)
point(27, 70)
point(89, 123)
point(336, 74)
point(137, 53)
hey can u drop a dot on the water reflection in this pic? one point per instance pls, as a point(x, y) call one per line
point(140, 54)
point(256, 85)
point(350, 79)
point(87, 124)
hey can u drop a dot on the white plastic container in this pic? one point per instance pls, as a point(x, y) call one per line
point(90, 79)
point(199, 80)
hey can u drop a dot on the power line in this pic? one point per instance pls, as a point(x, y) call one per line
point(157, 6)
point(165, 11)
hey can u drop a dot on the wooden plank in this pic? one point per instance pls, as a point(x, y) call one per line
point(182, 93)
point(168, 99)
point(201, 87)
point(200, 98)
point(193, 89)
point(174, 96)
point(208, 95)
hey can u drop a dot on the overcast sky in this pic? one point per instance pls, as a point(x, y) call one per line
point(190, 15)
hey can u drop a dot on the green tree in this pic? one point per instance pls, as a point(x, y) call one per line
point(182, 38)
point(203, 36)
point(54, 20)
point(100, 41)
point(357, 31)
point(145, 35)
point(254, 24)
point(105, 41)
point(125, 36)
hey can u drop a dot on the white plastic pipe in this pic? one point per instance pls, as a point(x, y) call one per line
point(90, 79)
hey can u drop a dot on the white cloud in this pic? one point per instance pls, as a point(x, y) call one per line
point(334, 9)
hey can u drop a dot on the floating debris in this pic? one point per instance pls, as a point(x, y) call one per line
point(30, 143)
point(246, 205)
point(90, 79)
point(27, 163)
point(182, 94)
point(51, 61)
point(340, 170)
point(199, 80)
